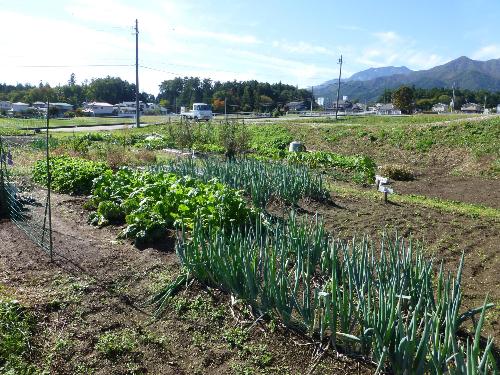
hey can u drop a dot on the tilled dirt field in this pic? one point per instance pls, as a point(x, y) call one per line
point(436, 183)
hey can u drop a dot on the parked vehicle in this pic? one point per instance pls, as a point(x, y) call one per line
point(200, 111)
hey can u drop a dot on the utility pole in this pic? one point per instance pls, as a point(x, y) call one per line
point(312, 98)
point(48, 208)
point(453, 101)
point(338, 89)
point(137, 111)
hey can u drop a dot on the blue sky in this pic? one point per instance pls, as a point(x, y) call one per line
point(297, 42)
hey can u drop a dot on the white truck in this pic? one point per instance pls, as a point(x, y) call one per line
point(200, 111)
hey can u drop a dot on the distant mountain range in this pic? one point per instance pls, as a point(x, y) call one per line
point(369, 84)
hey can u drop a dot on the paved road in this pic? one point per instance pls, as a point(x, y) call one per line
point(74, 129)
point(247, 120)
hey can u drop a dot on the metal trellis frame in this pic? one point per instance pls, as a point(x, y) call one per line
point(25, 211)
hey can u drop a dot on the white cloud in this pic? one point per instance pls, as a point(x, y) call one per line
point(295, 72)
point(177, 39)
point(303, 48)
point(217, 36)
point(389, 48)
point(491, 51)
point(388, 37)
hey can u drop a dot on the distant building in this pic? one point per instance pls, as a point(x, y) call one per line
point(498, 108)
point(296, 106)
point(5, 106)
point(440, 108)
point(127, 109)
point(99, 109)
point(39, 105)
point(19, 107)
point(62, 107)
point(472, 108)
point(387, 109)
point(154, 109)
point(358, 107)
point(344, 105)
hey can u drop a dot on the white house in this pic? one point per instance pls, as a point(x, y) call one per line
point(440, 108)
point(498, 108)
point(154, 108)
point(127, 109)
point(387, 109)
point(99, 109)
point(19, 107)
point(5, 106)
point(472, 108)
point(40, 105)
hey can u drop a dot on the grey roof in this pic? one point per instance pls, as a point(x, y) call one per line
point(387, 107)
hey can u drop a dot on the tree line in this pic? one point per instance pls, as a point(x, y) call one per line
point(247, 96)
point(408, 98)
point(244, 96)
point(237, 95)
point(112, 90)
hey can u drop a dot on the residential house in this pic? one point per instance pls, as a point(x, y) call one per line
point(5, 106)
point(62, 107)
point(440, 108)
point(498, 108)
point(344, 106)
point(39, 105)
point(19, 107)
point(387, 109)
point(155, 109)
point(127, 109)
point(358, 107)
point(99, 109)
point(472, 108)
point(296, 106)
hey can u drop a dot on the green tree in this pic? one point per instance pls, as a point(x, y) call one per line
point(402, 98)
point(424, 104)
point(386, 96)
point(445, 99)
point(110, 89)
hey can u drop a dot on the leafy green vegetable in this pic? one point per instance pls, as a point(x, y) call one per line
point(150, 202)
point(68, 174)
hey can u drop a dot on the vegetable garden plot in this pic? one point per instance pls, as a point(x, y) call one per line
point(262, 181)
point(390, 307)
point(149, 203)
point(31, 214)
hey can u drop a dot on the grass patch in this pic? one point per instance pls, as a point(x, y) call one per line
point(113, 344)
point(16, 326)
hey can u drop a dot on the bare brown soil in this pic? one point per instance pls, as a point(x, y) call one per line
point(435, 183)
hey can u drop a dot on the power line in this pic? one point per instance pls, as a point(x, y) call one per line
point(159, 70)
point(72, 66)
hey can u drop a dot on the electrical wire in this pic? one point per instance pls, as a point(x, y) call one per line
point(73, 66)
